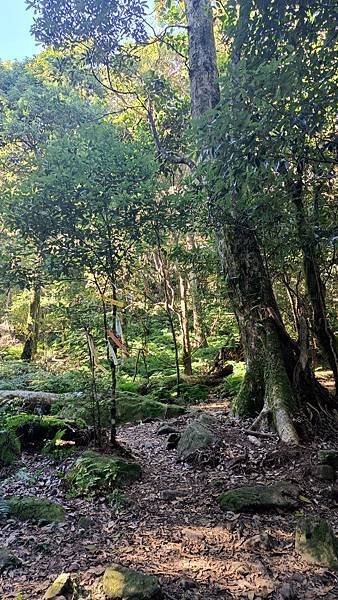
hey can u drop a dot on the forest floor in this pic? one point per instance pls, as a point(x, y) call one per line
point(171, 524)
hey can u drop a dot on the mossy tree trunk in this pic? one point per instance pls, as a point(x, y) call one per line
point(33, 326)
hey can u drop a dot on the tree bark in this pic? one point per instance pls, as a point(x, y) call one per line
point(33, 326)
point(313, 280)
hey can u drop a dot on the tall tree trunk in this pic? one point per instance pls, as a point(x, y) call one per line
point(33, 326)
point(271, 356)
point(184, 320)
point(313, 280)
point(194, 285)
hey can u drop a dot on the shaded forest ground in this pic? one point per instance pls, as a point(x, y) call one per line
point(169, 523)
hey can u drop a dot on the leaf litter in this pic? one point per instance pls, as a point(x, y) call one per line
point(169, 523)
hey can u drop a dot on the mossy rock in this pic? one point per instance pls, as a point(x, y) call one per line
point(328, 457)
point(259, 497)
point(132, 407)
point(33, 430)
point(120, 582)
point(30, 508)
point(7, 560)
point(62, 586)
point(95, 473)
point(316, 543)
point(9, 447)
point(197, 436)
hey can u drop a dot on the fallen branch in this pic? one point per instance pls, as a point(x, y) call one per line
point(33, 397)
point(258, 433)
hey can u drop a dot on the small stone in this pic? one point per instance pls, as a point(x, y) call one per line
point(172, 441)
point(287, 591)
point(169, 495)
point(62, 586)
point(254, 440)
point(324, 472)
point(85, 522)
point(188, 584)
point(7, 560)
point(166, 430)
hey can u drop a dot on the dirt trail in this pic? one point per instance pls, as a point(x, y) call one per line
point(171, 525)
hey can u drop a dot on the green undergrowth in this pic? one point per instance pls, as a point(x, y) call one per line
point(232, 383)
point(94, 474)
point(9, 447)
point(21, 375)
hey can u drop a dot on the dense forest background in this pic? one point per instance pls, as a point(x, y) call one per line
point(119, 214)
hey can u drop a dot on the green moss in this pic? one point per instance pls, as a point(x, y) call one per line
point(277, 385)
point(132, 407)
point(248, 389)
point(29, 508)
point(95, 473)
point(61, 586)
point(23, 419)
point(279, 495)
point(120, 582)
point(9, 447)
point(316, 543)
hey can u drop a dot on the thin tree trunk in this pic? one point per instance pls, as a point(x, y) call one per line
point(169, 308)
point(198, 325)
point(184, 320)
point(313, 280)
point(33, 326)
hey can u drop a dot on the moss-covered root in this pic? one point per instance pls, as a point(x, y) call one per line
point(279, 396)
point(9, 447)
point(29, 508)
point(62, 586)
point(120, 582)
point(259, 497)
point(316, 543)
